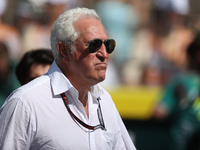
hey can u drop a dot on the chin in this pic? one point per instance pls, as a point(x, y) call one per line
point(100, 79)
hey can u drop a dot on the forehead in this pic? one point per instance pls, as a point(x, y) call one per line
point(90, 28)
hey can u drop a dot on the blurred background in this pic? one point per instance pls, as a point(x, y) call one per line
point(151, 36)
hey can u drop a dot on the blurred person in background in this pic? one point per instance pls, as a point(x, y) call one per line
point(33, 64)
point(179, 35)
point(8, 80)
point(10, 35)
point(160, 46)
point(36, 32)
point(180, 103)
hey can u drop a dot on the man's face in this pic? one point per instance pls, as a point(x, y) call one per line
point(89, 68)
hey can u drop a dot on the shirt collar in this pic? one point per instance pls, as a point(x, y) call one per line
point(61, 84)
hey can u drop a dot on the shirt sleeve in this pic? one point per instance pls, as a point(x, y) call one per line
point(15, 126)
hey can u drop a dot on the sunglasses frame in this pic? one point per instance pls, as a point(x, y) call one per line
point(91, 50)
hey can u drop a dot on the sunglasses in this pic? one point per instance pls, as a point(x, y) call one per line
point(99, 113)
point(95, 45)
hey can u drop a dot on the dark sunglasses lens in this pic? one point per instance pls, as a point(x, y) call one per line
point(110, 45)
point(94, 45)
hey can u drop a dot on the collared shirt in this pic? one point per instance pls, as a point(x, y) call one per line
point(35, 117)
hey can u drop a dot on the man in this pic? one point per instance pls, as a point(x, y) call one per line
point(34, 64)
point(66, 108)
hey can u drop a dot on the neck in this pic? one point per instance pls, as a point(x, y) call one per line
point(83, 97)
point(81, 87)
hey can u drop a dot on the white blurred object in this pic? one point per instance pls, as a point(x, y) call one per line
point(179, 6)
point(37, 2)
point(3, 5)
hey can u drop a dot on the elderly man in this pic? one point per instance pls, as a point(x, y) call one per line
point(66, 109)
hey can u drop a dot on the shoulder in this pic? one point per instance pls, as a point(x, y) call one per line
point(105, 95)
point(37, 86)
point(107, 101)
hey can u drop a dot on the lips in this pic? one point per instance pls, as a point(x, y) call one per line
point(101, 66)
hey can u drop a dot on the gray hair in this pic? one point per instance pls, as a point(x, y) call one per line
point(63, 29)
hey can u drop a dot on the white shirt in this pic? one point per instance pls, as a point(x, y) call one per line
point(35, 117)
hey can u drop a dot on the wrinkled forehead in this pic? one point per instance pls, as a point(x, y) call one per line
point(90, 28)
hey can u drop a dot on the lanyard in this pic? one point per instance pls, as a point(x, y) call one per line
point(99, 113)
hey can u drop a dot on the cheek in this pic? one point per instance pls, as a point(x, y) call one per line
point(87, 66)
point(87, 62)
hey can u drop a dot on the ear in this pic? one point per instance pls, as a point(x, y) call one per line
point(63, 51)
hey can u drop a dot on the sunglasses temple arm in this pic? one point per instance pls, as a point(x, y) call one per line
point(99, 112)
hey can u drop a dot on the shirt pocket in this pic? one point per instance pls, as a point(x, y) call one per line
point(109, 139)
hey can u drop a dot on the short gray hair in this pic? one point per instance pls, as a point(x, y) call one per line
point(63, 29)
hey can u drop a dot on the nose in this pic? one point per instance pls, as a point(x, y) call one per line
point(102, 51)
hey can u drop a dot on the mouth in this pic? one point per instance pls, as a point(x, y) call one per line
point(101, 65)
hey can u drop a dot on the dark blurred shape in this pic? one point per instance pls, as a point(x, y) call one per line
point(33, 64)
point(180, 103)
point(8, 80)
